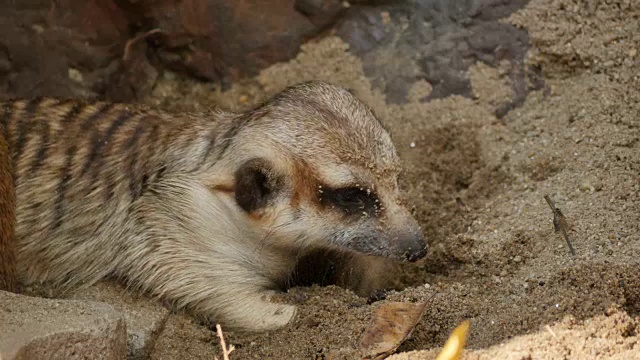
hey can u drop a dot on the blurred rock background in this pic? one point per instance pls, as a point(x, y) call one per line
point(116, 49)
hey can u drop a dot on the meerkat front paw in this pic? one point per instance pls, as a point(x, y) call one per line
point(276, 317)
point(256, 313)
point(263, 316)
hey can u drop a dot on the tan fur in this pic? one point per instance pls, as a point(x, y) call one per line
point(8, 277)
point(210, 211)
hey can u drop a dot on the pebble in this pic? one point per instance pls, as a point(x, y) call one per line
point(586, 186)
point(75, 75)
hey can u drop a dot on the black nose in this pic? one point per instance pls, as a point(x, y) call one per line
point(413, 245)
point(418, 254)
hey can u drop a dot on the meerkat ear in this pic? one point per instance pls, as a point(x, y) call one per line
point(256, 184)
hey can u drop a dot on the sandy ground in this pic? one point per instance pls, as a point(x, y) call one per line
point(477, 186)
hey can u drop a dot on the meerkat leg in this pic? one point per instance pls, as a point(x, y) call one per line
point(366, 275)
point(244, 308)
point(208, 264)
point(210, 287)
point(362, 274)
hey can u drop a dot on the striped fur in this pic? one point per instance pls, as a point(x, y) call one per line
point(116, 190)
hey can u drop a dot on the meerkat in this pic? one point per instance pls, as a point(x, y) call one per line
point(8, 246)
point(208, 211)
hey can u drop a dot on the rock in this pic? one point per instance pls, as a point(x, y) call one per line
point(402, 42)
point(144, 317)
point(320, 12)
point(223, 41)
point(43, 40)
point(38, 328)
point(213, 40)
point(134, 77)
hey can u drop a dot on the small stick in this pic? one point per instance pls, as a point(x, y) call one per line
point(225, 351)
point(559, 222)
point(131, 42)
point(551, 331)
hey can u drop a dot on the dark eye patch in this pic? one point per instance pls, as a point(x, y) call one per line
point(351, 200)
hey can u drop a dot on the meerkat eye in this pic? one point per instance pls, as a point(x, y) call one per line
point(350, 197)
point(352, 200)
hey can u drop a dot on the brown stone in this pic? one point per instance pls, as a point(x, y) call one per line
point(36, 328)
point(78, 48)
point(144, 317)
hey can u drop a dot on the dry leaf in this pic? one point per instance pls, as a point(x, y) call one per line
point(392, 324)
point(455, 344)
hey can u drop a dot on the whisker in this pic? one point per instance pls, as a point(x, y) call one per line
point(270, 232)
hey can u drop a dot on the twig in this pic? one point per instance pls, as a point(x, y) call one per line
point(559, 222)
point(551, 331)
point(131, 42)
point(225, 351)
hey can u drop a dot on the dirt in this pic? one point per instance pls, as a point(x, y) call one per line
point(477, 184)
point(609, 336)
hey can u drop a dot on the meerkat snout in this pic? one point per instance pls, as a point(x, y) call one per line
point(412, 244)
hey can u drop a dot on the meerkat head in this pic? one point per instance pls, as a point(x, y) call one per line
point(313, 167)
